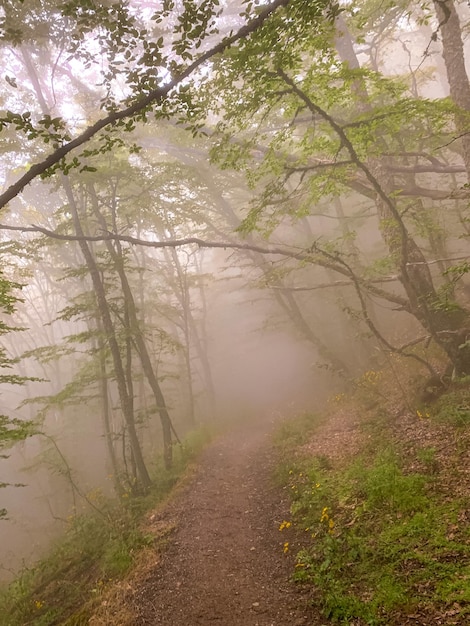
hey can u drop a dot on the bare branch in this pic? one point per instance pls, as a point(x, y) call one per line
point(336, 283)
point(299, 255)
point(369, 323)
point(456, 138)
point(420, 169)
point(423, 155)
point(435, 194)
point(319, 165)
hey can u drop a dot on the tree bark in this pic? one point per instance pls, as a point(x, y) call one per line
point(106, 411)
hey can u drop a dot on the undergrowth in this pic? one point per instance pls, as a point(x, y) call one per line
point(454, 407)
point(381, 540)
point(98, 547)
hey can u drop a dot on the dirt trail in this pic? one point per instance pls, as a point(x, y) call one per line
point(225, 562)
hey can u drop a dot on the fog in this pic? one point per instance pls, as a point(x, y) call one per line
point(259, 370)
point(228, 258)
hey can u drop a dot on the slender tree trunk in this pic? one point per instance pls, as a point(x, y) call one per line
point(119, 371)
point(106, 411)
point(284, 297)
point(100, 294)
point(137, 335)
point(182, 294)
point(199, 334)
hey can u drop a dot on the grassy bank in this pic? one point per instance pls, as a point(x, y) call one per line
point(380, 507)
point(98, 548)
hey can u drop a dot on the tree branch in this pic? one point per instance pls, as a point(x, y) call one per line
point(369, 323)
point(155, 96)
point(420, 169)
point(300, 255)
point(336, 283)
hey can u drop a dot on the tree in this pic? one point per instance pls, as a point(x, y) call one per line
point(336, 122)
point(12, 429)
point(339, 186)
point(452, 52)
point(194, 27)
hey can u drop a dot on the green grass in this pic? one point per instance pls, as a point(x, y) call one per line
point(378, 539)
point(453, 407)
point(97, 547)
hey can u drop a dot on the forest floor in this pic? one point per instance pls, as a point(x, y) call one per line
point(224, 553)
point(224, 560)
point(358, 515)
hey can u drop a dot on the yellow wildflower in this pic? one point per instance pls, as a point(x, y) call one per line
point(324, 515)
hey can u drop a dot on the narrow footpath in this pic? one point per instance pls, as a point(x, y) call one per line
point(225, 562)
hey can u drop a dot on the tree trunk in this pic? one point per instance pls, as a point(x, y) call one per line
point(181, 291)
point(282, 295)
point(106, 411)
point(443, 323)
point(459, 86)
point(100, 293)
point(119, 371)
point(137, 335)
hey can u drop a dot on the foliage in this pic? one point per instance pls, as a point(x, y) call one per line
point(274, 101)
point(12, 430)
point(376, 113)
point(151, 61)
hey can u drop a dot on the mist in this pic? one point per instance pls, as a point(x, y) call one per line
point(262, 370)
point(236, 251)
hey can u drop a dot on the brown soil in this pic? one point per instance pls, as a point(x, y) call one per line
point(224, 561)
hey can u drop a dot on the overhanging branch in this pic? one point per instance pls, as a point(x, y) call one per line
point(318, 258)
point(155, 96)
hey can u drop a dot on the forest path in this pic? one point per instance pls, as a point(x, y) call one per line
point(225, 562)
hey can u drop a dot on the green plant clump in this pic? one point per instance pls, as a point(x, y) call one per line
point(99, 546)
point(454, 407)
point(378, 541)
